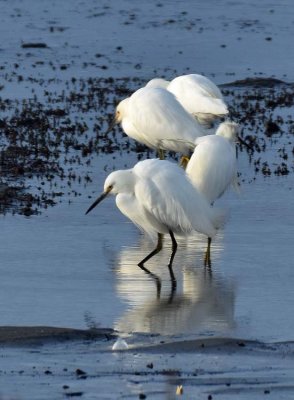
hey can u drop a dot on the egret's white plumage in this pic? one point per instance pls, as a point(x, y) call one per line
point(158, 83)
point(212, 167)
point(154, 117)
point(159, 197)
point(197, 94)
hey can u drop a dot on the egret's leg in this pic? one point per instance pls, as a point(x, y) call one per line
point(207, 260)
point(161, 236)
point(184, 161)
point(160, 153)
point(170, 264)
point(155, 251)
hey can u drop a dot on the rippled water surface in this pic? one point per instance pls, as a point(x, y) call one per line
point(68, 269)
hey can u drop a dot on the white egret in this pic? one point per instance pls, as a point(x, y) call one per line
point(154, 117)
point(213, 166)
point(197, 94)
point(158, 196)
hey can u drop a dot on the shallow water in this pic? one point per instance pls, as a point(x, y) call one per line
point(67, 269)
point(226, 40)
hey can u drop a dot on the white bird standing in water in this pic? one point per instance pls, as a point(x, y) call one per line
point(154, 117)
point(158, 196)
point(213, 166)
point(198, 95)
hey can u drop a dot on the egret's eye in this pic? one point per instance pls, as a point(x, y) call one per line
point(109, 188)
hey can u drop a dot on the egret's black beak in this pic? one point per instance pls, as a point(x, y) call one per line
point(111, 125)
point(100, 198)
point(240, 140)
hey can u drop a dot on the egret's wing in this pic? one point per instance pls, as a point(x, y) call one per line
point(197, 83)
point(212, 167)
point(206, 85)
point(158, 116)
point(167, 194)
point(132, 209)
point(132, 132)
point(198, 95)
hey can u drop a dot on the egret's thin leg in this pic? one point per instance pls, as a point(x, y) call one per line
point(170, 264)
point(161, 236)
point(184, 161)
point(160, 153)
point(207, 260)
point(155, 251)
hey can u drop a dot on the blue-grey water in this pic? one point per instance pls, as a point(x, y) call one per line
point(62, 268)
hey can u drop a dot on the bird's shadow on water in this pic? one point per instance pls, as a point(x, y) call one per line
point(198, 302)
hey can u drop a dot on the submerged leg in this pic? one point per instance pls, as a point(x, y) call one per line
point(160, 153)
point(184, 161)
point(170, 264)
point(155, 251)
point(172, 292)
point(207, 260)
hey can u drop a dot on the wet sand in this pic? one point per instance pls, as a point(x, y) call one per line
point(205, 367)
point(41, 335)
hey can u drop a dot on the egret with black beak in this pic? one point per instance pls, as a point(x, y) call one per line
point(158, 196)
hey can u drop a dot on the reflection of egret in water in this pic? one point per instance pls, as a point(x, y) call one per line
point(203, 301)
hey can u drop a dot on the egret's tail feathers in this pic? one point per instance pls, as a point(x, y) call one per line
point(219, 217)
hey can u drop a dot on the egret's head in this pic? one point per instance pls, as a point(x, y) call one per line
point(157, 83)
point(120, 113)
point(121, 110)
point(229, 130)
point(116, 182)
point(121, 181)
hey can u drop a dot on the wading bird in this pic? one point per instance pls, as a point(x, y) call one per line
point(197, 94)
point(213, 166)
point(157, 196)
point(154, 117)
